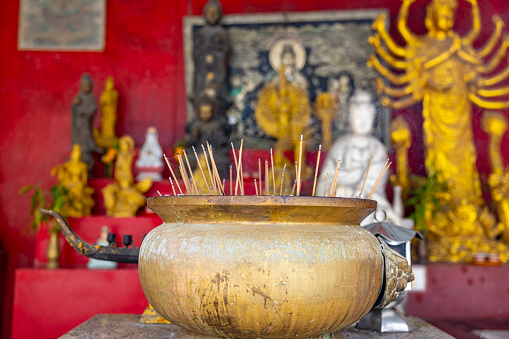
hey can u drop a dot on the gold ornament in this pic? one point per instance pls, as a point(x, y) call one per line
point(445, 72)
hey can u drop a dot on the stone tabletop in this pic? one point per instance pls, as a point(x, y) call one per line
point(113, 326)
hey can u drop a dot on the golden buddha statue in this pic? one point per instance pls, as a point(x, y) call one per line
point(123, 197)
point(73, 176)
point(283, 112)
point(109, 98)
point(444, 71)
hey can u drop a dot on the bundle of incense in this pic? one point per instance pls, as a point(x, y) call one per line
point(217, 185)
point(334, 180)
point(366, 177)
point(201, 170)
point(172, 173)
point(239, 165)
point(212, 181)
point(379, 178)
point(214, 170)
point(191, 173)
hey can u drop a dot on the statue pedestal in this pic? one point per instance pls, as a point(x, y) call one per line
point(128, 326)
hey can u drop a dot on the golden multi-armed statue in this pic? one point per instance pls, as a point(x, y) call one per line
point(444, 71)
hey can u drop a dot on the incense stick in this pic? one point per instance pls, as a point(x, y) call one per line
point(208, 168)
point(201, 169)
point(294, 184)
point(159, 193)
point(239, 164)
point(260, 174)
point(191, 172)
point(282, 179)
point(366, 177)
point(380, 176)
point(256, 187)
point(231, 180)
point(325, 188)
point(299, 182)
point(316, 169)
point(172, 173)
point(183, 173)
point(172, 186)
point(334, 179)
point(267, 188)
point(273, 176)
point(214, 169)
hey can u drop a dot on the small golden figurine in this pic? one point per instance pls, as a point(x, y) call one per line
point(401, 138)
point(445, 72)
point(109, 98)
point(495, 124)
point(72, 175)
point(123, 197)
point(326, 111)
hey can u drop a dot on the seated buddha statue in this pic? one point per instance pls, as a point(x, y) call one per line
point(123, 197)
point(356, 149)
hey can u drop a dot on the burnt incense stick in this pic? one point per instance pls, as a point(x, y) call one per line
point(334, 179)
point(212, 182)
point(273, 176)
point(282, 179)
point(191, 173)
point(172, 173)
point(231, 180)
point(256, 187)
point(316, 169)
point(294, 184)
point(159, 193)
point(299, 182)
point(172, 186)
point(267, 188)
point(365, 178)
point(260, 174)
point(201, 169)
point(325, 188)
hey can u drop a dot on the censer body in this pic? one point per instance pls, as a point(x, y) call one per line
point(261, 266)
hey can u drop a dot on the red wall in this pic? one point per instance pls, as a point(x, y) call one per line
point(144, 54)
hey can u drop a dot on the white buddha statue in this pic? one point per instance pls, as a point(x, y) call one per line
point(356, 150)
point(150, 162)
